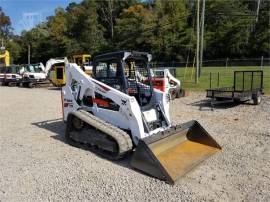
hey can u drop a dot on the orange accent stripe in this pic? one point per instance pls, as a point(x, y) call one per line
point(100, 102)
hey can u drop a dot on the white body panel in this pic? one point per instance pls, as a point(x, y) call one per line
point(51, 62)
point(88, 67)
point(15, 76)
point(168, 78)
point(35, 75)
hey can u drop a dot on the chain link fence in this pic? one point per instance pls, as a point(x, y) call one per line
point(225, 62)
point(224, 68)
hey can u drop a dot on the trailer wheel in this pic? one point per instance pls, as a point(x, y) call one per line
point(257, 99)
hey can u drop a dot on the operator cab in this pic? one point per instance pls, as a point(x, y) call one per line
point(127, 72)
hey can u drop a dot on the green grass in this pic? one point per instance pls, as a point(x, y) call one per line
point(187, 77)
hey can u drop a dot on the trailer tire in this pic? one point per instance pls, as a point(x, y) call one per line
point(257, 99)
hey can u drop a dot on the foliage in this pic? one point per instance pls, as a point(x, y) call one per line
point(5, 24)
point(167, 29)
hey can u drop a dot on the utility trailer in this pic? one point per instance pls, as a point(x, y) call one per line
point(247, 85)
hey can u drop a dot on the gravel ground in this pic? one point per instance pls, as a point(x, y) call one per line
point(37, 165)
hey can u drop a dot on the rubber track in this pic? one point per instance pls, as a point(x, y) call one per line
point(121, 137)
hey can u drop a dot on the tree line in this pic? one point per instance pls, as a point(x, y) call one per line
point(166, 28)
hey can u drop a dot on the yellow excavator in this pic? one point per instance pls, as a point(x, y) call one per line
point(4, 58)
point(55, 68)
point(55, 71)
point(84, 61)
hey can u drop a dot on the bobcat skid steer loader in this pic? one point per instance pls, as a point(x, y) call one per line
point(117, 111)
point(163, 80)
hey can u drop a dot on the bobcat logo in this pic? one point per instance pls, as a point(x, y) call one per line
point(124, 102)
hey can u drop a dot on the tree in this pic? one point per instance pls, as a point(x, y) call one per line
point(130, 28)
point(57, 32)
point(83, 30)
point(228, 26)
point(164, 28)
point(92, 31)
point(172, 33)
point(260, 41)
point(5, 24)
point(14, 48)
point(108, 12)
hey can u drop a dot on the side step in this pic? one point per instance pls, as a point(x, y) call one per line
point(171, 154)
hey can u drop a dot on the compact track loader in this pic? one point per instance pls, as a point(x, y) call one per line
point(165, 81)
point(33, 75)
point(10, 75)
point(117, 111)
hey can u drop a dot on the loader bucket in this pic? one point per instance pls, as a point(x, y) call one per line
point(171, 154)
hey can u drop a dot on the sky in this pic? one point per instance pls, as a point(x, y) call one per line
point(25, 14)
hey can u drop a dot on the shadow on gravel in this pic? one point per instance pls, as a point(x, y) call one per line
point(54, 88)
point(205, 104)
point(58, 127)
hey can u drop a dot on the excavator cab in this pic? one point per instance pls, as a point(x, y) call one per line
point(84, 61)
point(57, 74)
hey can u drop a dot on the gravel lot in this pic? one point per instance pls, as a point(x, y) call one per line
point(37, 165)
